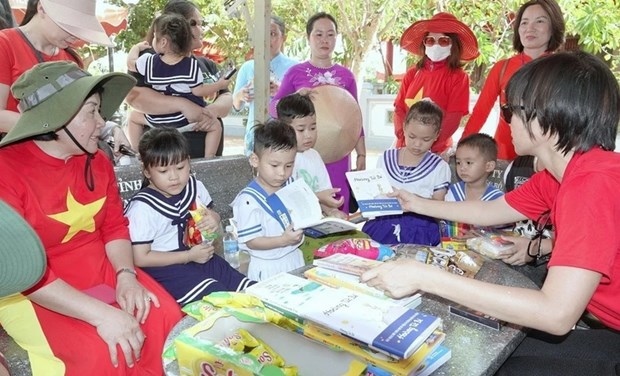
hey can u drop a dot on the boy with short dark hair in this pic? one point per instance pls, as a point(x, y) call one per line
point(476, 158)
point(261, 218)
point(297, 110)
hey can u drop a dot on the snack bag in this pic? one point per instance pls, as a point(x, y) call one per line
point(240, 341)
point(491, 245)
point(194, 236)
point(366, 248)
point(469, 262)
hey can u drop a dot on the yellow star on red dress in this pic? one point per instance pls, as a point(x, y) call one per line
point(418, 97)
point(79, 217)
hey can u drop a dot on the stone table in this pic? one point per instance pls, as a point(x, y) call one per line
point(476, 349)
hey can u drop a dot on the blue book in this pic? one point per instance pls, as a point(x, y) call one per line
point(436, 359)
point(383, 325)
point(370, 188)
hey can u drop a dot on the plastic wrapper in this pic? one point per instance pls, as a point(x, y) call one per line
point(235, 340)
point(240, 341)
point(469, 262)
point(195, 236)
point(491, 245)
point(265, 355)
point(465, 263)
point(366, 248)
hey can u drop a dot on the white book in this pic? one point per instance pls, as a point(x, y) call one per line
point(370, 188)
point(337, 279)
point(305, 211)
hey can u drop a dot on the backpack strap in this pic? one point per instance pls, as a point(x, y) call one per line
point(36, 52)
point(501, 74)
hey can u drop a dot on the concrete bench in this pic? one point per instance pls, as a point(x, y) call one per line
point(224, 177)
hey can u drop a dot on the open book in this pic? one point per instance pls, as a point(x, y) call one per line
point(370, 188)
point(305, 211)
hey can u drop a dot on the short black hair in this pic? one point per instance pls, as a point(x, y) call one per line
point(317, 16)
point(426, 112)
point(485, 144)
point(275, 135)
point(574, 95)
point(162, 147)
point(294, 106)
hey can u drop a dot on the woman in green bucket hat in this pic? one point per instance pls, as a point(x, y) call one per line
point(90, 297)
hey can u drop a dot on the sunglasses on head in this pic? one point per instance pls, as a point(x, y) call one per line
point(441, 41)
point(508, 110)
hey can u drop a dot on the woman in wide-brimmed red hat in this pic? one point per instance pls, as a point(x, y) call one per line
point(444, 44)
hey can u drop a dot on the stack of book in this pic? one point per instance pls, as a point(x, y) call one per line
point(344, 270)
point(388, 335)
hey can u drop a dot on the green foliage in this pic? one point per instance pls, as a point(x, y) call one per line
point(363, 23)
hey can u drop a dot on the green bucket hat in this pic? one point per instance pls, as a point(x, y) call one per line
point(22, 260)
point(51, 94)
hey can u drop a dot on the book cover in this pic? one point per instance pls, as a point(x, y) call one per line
point(384, 326)
point(378, 363)
point(436, 359)
point(336, 279)
point(370, 188)
point(305, 211)
point(475, 316)
point(347, 263)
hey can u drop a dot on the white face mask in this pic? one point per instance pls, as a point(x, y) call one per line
point(437, 53)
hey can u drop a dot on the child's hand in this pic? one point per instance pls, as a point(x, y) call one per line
point(143, 45)
point(330, 198)
point(209, 222)
point(292, 237)
point(201, 253)
point(337, 214)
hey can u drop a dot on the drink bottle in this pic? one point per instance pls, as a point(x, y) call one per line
point(231, 247)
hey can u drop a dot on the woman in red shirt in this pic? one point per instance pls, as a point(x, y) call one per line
point(538, 30)
point(444, 43)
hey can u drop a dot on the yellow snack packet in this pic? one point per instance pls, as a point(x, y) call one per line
point(266, 355)
point(199, 309)
point(240, 341)
point(197, 212)
point(290, 371)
